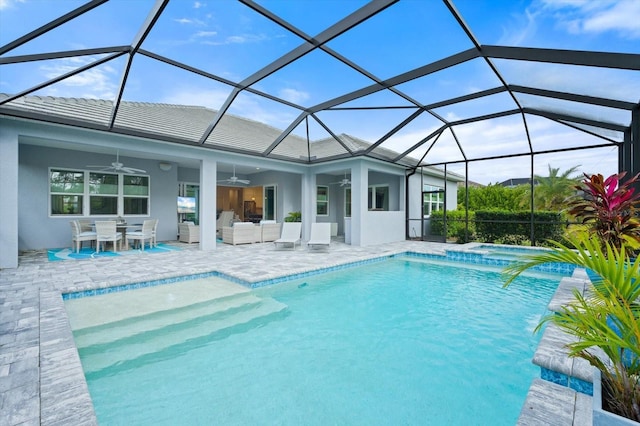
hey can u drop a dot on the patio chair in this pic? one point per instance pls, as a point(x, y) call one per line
point(291, 232)
point(78, 236)
point(225, 219)
point(188, 232)
point(107, 232)
point(320, 235)
point(154, 234)
point(86, 225)
point(241, 233)
point(270, 230)
point(145, 234)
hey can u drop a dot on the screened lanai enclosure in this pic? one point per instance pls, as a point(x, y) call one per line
point(486, 91)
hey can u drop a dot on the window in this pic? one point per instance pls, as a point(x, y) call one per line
point(433, 199)
point(103, 194)
point(347, 202)
point(66, 188)
point(322, 201)
point(77, 192)
point(378, 198)
point(135, 194)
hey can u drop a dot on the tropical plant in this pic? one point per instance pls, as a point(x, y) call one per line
point(493, 196)
point(609, 207)
point(551, 192)
point(294, 217)
point(608, 318)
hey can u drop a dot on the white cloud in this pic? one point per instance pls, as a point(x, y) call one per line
point(95, 83)
point(293, 95)
point(198, 5)
point(184, 21)
point(238, 39)
point(596, 17)
point(7, 4)
point(623, 17)
point(201, 34)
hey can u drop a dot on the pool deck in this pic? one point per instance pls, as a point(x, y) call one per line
point(41, 378)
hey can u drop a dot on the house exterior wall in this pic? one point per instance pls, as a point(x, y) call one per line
point(30, 149)
point(9, 175)
point(38, 230)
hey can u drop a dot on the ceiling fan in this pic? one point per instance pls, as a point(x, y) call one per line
point(343, 182)
point(117, 166)
point(234, 179)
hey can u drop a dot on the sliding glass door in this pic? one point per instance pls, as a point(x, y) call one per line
point(269, 209)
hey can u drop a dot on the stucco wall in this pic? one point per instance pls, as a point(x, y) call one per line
point(38, 230)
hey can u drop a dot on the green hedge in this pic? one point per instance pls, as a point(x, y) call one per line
point(503, 225)
point(455, 223)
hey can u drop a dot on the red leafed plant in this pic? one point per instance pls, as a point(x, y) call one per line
point(610, 207)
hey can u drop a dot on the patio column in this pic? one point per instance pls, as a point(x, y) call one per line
point(308, 203)
point(359, 205)
point(208, 188)
point(9, 197)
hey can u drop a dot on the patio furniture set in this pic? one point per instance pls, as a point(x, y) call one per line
point(111, 231)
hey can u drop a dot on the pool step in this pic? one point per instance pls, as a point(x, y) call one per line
point(133, 326)
point(138, 342)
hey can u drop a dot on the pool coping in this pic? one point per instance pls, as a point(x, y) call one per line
point(460, 256)
point(64, 393)
point(565, 387)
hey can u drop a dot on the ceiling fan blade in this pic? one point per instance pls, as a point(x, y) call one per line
point(132, 170)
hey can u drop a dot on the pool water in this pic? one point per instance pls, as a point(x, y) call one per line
point(510, 253)
point(402, 341)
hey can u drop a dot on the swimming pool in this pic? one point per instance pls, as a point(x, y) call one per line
point(402, 341)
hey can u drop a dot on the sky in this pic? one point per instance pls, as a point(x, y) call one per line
point(228, 39)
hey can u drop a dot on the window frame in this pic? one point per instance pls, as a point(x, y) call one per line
point(432, 190)
point(347, 201)
point(51, 193)
point(371, 191)
point(87, 194)
point(324, 202)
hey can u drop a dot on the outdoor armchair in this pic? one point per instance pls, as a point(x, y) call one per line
point(241, 233)
point(188, 232)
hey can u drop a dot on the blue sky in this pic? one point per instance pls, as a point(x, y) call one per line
point(230, 40)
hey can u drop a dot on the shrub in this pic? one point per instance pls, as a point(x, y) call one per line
point(455, 223)
point(494, 226)
point(294, 217)
point(609, 209)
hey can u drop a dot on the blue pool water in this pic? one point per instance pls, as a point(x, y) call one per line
point(403, 341)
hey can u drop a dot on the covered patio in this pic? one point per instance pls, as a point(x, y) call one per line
point(462, 100)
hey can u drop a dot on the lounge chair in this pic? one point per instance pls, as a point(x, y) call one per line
point(290, 234)
point(320, 235)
